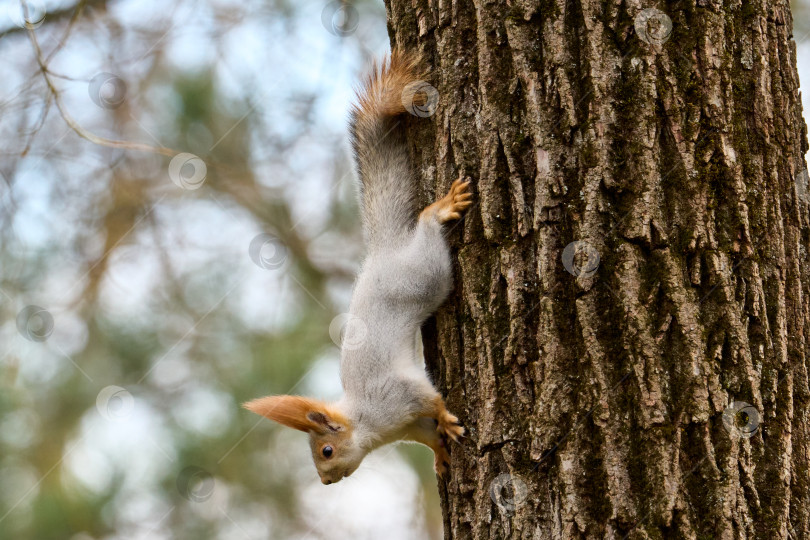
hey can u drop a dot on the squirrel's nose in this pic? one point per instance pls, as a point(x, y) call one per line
point(325, 481)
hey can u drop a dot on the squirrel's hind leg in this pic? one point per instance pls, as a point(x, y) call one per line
point(452, 205)
point(424, 276)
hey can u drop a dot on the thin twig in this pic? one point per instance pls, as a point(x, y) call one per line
point(71, 122)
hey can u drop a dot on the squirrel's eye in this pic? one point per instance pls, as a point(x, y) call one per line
point(327, 451)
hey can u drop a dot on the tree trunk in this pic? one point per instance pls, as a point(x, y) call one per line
point(626, 342)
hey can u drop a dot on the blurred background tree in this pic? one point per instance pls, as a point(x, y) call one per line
point(179, 235)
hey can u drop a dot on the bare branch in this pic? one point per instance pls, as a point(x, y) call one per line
point(71, 122)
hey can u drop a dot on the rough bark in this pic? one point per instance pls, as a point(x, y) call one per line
point(680, 161)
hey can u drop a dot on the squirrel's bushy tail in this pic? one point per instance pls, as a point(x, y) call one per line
point(386, 181)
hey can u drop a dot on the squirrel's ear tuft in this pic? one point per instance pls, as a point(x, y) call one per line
point(304, 414)
point(291, 411)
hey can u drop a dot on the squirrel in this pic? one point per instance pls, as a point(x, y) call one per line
point(404, 278)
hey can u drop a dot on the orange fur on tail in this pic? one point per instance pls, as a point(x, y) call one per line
point(385, 90)
point(387, 186)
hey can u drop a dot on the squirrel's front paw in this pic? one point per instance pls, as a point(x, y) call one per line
point(449, 426)
point(452, 205)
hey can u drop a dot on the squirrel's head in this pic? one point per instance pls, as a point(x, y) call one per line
point(335, 452)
